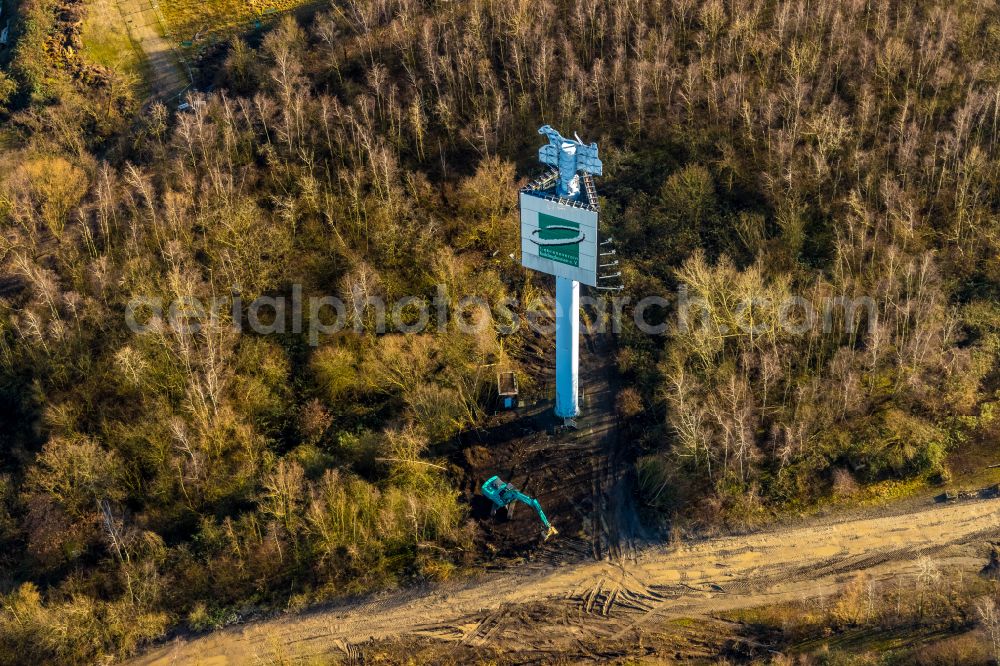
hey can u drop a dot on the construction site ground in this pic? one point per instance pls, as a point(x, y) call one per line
point(546, 611)
point(580, 474)
point(603, 588)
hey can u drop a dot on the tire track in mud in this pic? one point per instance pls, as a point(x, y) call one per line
point(615, 528)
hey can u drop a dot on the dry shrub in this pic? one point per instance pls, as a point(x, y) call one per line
point(199, 618)
point(844, 484)
point(628, 403)
point(802, 660)
point(79, 630)
point(432, 567)
point(856, 603)
point(966, 649)
point(314, 420)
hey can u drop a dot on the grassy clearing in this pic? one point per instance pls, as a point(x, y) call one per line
point(107, 43)
point(190, 23)
point(193, 23)
point(967, 471)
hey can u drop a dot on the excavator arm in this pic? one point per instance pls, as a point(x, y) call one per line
point(502, 494)
point(533, 503)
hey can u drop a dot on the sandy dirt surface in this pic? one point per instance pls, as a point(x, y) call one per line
point(546, 609)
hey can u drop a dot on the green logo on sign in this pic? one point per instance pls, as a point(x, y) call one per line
point(558, 240)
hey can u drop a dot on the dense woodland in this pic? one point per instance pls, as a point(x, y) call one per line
point(753, 149)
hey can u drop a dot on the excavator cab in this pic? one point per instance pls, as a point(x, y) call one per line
point(502, 494)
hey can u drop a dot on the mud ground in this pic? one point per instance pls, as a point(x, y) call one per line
point(581, 476)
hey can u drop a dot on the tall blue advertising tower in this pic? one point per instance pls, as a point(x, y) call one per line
point(559, 237)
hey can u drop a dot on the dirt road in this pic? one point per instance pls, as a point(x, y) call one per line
point(545, 611)
point(168, 76)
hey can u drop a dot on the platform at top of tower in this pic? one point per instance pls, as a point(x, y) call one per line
point(545, 187)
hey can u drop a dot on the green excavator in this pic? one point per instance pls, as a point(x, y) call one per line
point(502, 494)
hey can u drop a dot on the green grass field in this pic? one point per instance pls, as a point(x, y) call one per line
point(188, 25)
point(107, 43)
point(193, 23)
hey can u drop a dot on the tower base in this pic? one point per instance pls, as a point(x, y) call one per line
point(567, 347)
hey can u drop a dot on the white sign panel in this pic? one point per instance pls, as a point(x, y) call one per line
point(559, 239)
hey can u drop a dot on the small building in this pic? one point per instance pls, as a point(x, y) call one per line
point(507, 389)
